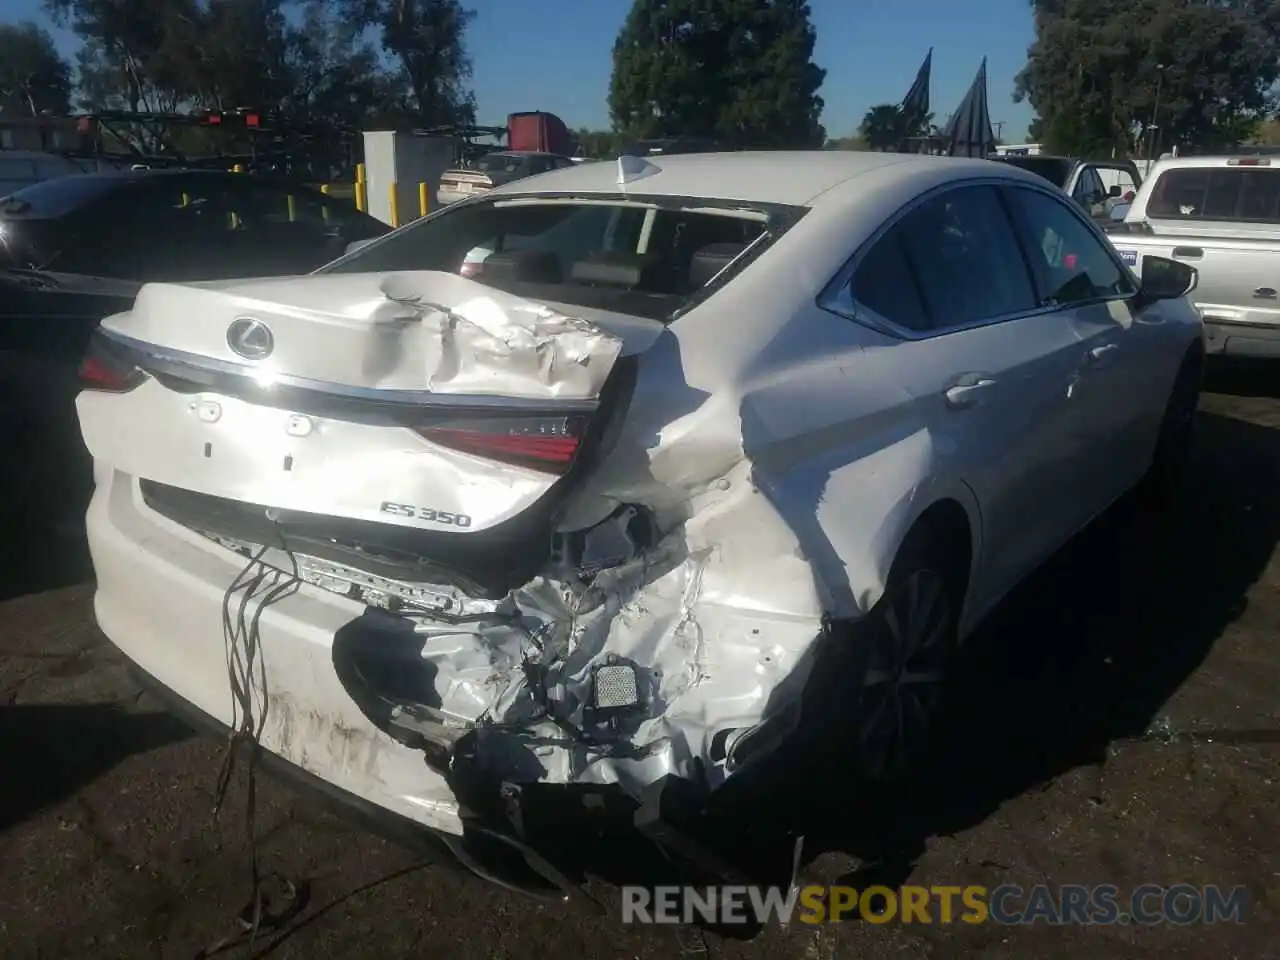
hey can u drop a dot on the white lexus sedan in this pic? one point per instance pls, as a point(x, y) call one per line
point(626, 477)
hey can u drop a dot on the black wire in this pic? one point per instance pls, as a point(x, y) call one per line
point(242, 640)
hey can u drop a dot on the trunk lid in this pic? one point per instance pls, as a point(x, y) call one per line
point(379, 332)
point(375, 431)
point(463, 182)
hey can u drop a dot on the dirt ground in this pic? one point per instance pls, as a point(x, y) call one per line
point(1123, 728)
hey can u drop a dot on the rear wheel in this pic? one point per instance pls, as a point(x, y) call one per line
point(898, 661)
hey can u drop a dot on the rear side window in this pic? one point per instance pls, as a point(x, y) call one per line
point(1250, 194)
point(952, 261)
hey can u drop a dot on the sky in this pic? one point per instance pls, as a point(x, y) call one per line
point(555, 55)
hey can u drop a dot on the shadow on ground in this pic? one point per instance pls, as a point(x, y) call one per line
point(1243, 377)
point(50, 751)
point(44, 490)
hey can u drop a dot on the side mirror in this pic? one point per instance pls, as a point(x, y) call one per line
point(1165, 279)
point(355, 245)
point(1113, 191)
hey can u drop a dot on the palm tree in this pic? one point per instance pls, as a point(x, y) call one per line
point(883, 127)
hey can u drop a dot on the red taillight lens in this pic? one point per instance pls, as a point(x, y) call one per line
point(549, 444)
point(98, 373)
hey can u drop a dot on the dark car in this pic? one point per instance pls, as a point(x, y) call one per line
point(76, 249)
point(149, 225)
point(65, 237)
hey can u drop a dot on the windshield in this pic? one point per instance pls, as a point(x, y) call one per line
point(636, 255)
point(53, 198)
point(1054, 169)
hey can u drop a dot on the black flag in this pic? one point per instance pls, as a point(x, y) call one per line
point(915, 105)
point(968, 133)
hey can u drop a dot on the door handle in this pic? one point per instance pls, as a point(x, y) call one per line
point(1187, 253)
point(1098, 354)
point(963, 395)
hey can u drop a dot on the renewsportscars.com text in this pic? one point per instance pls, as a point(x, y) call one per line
point(1007, 904)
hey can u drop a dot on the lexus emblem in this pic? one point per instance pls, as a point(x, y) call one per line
point(250, 338)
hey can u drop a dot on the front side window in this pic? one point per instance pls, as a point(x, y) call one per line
point(631, 254)
point(953, 260)
point(1070, 263)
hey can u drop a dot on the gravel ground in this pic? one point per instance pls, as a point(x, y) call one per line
point(1124, 729)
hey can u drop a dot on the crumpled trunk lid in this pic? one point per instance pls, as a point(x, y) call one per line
point(404, 421)
point(426, 331)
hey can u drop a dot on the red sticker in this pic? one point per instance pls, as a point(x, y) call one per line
point(1069, 261)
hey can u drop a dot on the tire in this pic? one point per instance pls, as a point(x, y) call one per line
point(1168, 468)
point(892, 678)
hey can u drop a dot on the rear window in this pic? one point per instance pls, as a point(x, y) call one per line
point(53, 198)
point(643, 256)
point(1249, 194)
point(499, 163)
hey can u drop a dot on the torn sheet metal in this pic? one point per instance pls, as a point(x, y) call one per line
point(627, 660)
point(413, 331)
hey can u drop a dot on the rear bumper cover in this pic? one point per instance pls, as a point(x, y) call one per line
point(518, 836)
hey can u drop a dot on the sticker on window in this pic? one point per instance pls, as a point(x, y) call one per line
point(1130, 257)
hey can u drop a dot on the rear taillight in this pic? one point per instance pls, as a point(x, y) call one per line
point(549, 444)
point(108, 375)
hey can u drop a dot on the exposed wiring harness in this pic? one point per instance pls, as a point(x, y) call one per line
point(254, 589)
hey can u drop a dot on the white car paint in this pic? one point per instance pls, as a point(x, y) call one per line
point(783, 440)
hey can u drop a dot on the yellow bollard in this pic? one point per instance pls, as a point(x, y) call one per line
point(293, 209)
point(359, 173)
point(238, 168)
point(422, 199)
point(361, 200)
point(324, 209)
point(186, 199)
point(393, 205)
point(324, 188)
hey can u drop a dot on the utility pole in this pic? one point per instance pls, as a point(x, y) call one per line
point(1155, 116)
point(999, 125)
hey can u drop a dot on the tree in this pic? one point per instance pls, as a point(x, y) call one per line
point(1095, 69)
point(883, 127)
point(337, 75)
point(599, 143)
point(427, 39)
point(135, 54)
point(740, 71)
point(34, 79)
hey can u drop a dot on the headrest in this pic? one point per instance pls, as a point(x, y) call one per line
point(607, 269)
point(522, 266)
point(709, 260)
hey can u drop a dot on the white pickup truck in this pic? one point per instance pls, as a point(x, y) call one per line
point(1220, 215)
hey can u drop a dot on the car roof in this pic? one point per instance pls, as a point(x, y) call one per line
point(792, 177)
